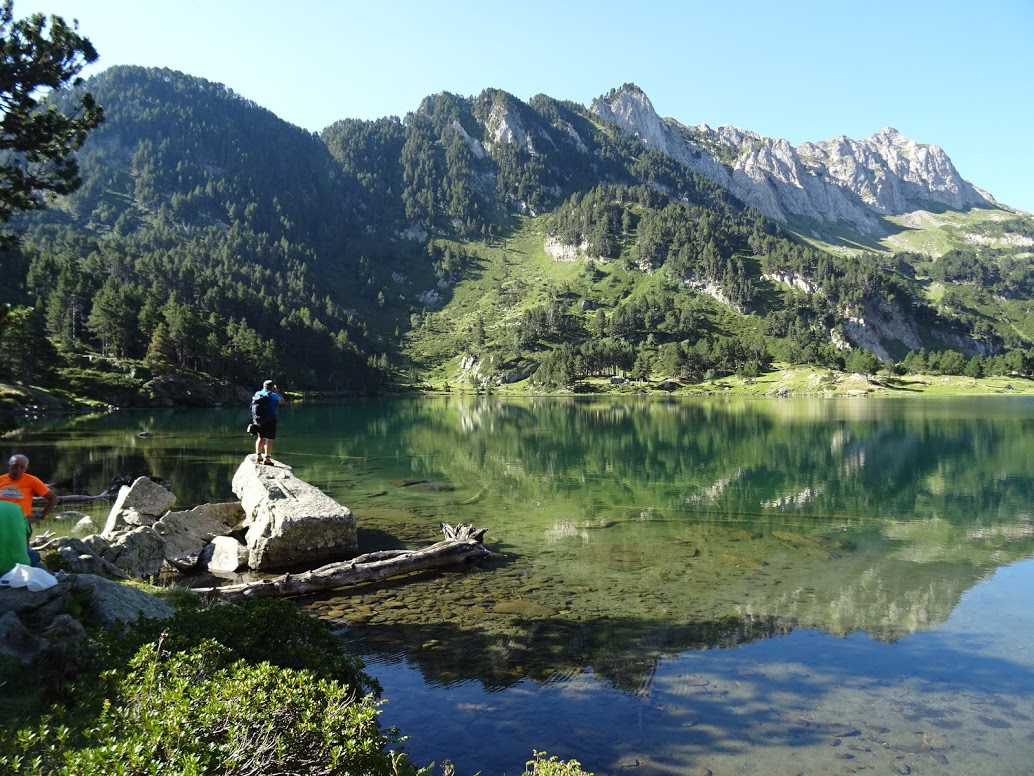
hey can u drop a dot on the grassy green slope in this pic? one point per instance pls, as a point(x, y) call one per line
point(934, 233)
point(938, 233)
point(507, 277)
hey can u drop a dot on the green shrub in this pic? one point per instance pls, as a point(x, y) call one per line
point(251, 689)
point(203, 712)
point(106, 387)
point(259, 688)
point(540, 766)
point(269, 630)
point(18, 686)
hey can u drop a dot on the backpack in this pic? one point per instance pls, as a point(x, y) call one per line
point(261, 407)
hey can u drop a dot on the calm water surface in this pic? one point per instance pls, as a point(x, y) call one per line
point(741, 586)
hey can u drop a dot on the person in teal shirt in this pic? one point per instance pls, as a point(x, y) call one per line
point(14, 537)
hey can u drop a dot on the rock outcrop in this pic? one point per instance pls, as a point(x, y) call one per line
point(187, 533)
point(141, 503)
point(284, 521)
point(290, 522)
point(837, 181)
point(878, 324)
point(35, 624)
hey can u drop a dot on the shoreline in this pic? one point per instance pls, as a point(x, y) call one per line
point(32, 403)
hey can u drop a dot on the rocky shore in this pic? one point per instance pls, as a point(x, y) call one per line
point(280, 522)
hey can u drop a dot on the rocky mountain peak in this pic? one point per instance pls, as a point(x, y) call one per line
point(894, 174)
point(837, 181)
point(504, 124)
point(631, 109)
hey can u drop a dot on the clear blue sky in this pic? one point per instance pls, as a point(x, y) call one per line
point(953, 73)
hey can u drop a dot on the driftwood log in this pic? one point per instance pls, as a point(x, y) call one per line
point(76, 498)
point(461, 543)
point(110, 492)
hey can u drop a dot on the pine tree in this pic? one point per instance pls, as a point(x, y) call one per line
point(37, 140)
point(161, 353)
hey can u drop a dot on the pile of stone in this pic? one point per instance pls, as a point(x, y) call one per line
point(38, 627)
point(280, 522)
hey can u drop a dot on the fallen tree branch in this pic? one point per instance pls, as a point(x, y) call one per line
point(462, 543)
point(112, 491)
point(78, 497)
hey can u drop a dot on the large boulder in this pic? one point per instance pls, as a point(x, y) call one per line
point(187, 533)
point(142, 503)
point(290, 522)
point(34, 626)
point(113, 605)
point(140, 551)
point(36, 609)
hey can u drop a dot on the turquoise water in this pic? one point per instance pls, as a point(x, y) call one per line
point(733, 585)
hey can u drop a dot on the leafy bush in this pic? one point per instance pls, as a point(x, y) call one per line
point(258, 688)
point(112, 388)
point(201, 711)
point(540, 766)
point(252, 689)
point(266, 630)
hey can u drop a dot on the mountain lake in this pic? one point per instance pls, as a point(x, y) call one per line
point(679, 586)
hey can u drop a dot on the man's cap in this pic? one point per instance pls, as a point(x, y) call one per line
point(268, 384)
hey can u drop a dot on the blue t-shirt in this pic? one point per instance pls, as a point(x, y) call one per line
point(272, 398)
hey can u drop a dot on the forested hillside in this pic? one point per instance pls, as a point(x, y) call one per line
point(208, 235)
point(479, 239)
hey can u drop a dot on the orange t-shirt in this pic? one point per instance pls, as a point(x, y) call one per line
point(21, 490)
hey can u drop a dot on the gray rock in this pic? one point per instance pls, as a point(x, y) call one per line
point(227, 554)
point(65, 629)
point(140, 552)
point(17, 641)
point(96, 543)
point(36, 627)
point(36, 609)
point(75, 556)
point(142, 503)
point(289, 521)
point(187, 533)
point(85, 526)
point(113, 605)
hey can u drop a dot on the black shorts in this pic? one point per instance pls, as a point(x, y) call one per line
point(267, 429)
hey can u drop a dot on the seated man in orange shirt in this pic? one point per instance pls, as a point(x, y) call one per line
point(19, 487)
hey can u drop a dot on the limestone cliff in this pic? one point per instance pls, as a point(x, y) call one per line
point(836, 182)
